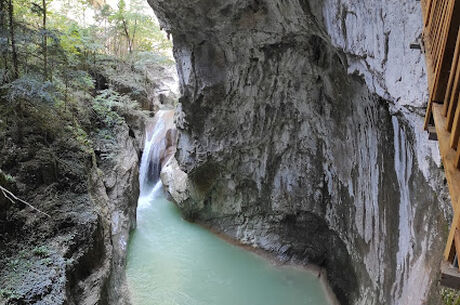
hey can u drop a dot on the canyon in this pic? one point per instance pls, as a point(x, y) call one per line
point(300, 134)
point(297, 134)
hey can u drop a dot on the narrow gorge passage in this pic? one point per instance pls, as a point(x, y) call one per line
point(172, 261)
point(214, 152)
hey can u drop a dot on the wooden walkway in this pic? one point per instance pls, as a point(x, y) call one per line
point(441, 44)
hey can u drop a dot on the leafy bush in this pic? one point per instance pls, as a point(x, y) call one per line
point(41, 251)
point(8, 293)
point(30, 88)
point(103, 106)
point(9, 178)
point(450, 296)
point(80, 135)
point(6, 179)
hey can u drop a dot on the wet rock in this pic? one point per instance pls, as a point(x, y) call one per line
point(175, 181)
point(121, 186)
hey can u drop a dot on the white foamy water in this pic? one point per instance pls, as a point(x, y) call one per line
point(154, 146)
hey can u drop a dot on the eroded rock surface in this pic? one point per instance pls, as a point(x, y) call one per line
point(76, 255)
point(298, 134)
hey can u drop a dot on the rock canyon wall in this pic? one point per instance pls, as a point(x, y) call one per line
point(300, 133)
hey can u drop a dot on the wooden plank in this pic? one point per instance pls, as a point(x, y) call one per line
point(447, 15)
point(439, 46)
point(453, 100)
point(441, 32)
point(456, 128)
point(449, 251)
point(427, 5)
point(456, 239)
point(448, 155)
point(444, 32)
point(432, 60)
point(433, 43)
point(443, 64)
point(428, 11)
point(452, 75)
point(441, 36)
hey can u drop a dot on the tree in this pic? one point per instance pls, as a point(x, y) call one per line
point(45, 41)
point(4, 47)
point(13, 40)
point(126, 24)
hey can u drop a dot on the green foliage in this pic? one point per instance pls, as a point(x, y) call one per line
point(30, 88)
point(450, 296)
point(80, 135)
point(47, 261)
point(70, 43)
point(18, 264)
point(10, 179)
point(8, 293)
point(138, 29)
point(103, 106)
point(27, 265)
point(41, 251)
point(80, 72)
point(6, 179)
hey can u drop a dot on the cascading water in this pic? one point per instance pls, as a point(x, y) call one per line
point(171, 261)
point(155, 145)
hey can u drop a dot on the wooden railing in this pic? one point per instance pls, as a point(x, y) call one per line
point(441, 43)
point(451, 111)
point(441, 23)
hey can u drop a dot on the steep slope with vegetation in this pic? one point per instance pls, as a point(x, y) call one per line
point(74, 96)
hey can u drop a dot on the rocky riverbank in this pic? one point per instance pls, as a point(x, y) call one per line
point(81, 173)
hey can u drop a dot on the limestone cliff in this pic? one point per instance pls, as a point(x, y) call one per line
point(299, 133)
point(76, 255)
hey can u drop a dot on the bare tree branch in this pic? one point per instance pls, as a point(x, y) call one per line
point(11, 197)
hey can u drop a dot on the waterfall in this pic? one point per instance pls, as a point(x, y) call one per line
point(154, 152)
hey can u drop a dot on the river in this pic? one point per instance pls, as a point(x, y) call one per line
point(175, 262)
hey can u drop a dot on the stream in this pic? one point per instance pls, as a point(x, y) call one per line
point(175, 262)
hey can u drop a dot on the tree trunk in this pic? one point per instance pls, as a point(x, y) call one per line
point(66, 92)
point(13, 41)
point(134, 35)
point(19, 110)
point(128, 38)
point(4, 34)
point(45, 42)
